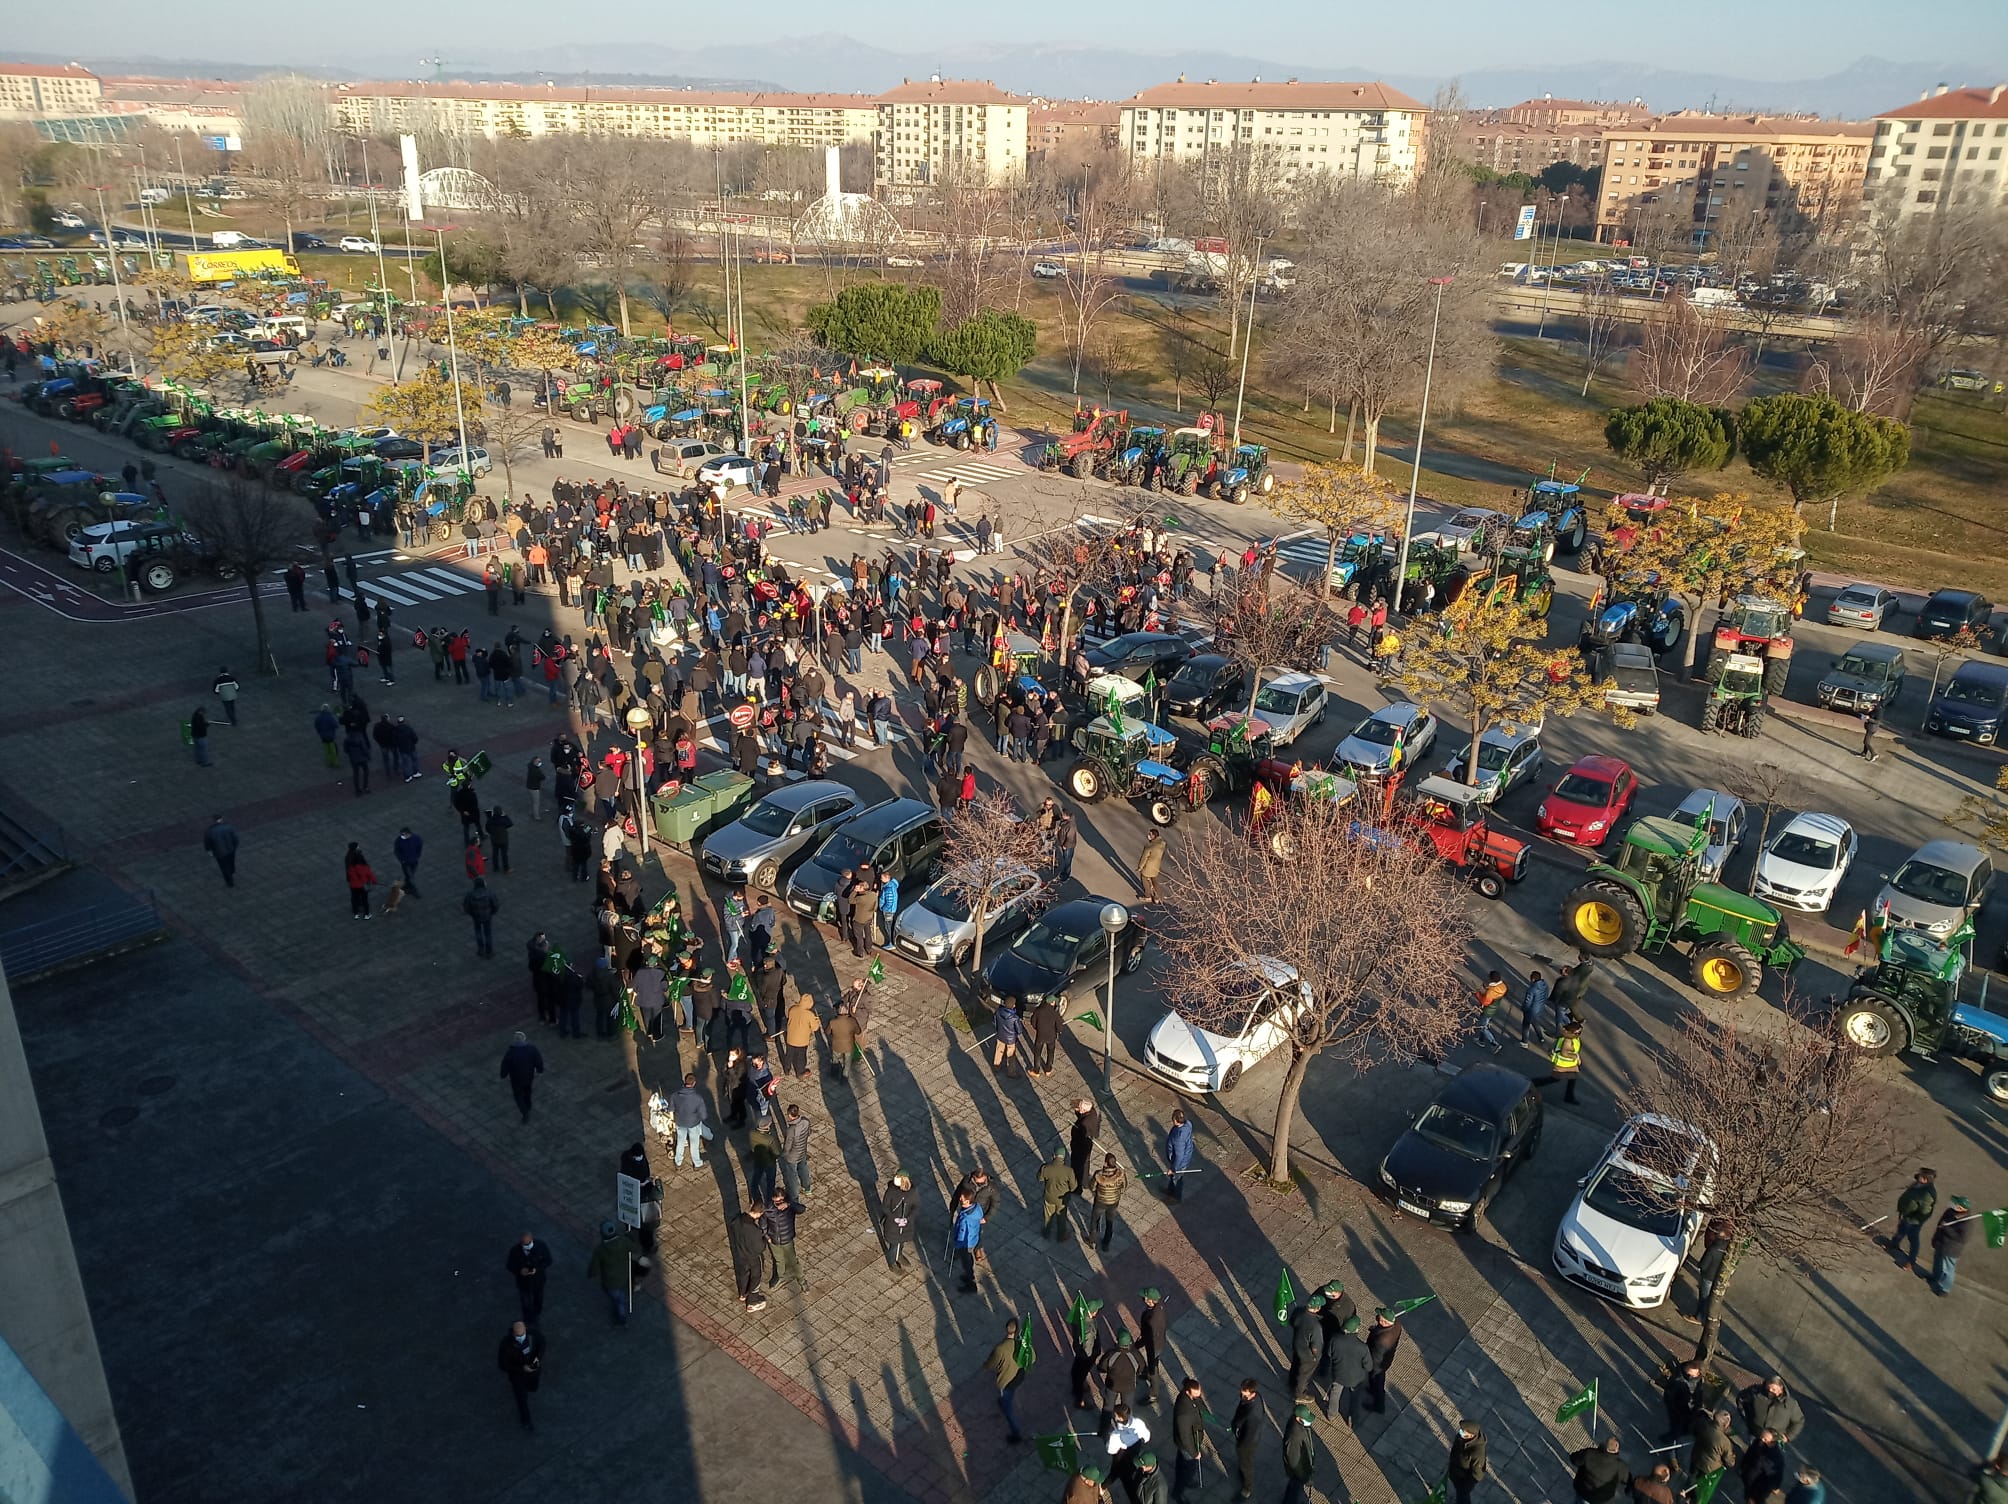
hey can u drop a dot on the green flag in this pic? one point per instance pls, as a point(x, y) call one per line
point(1057, 1454)
point(1577, 1404)
point(1025, 1356)
point(1091, 1018)
point(1077, 1317)
point(1286, 1296)
point(630, 1020)
point(1403, 1307)
point(1112, 707)
point(1706, 1484)
point(876, 972)
point(1150, 681)
point(1439, 1493)
point(1995, 1225)
point(1171, 521)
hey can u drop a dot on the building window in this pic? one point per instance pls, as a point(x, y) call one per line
point(1939, 130)
point(1927, 196)
point(1935, 153)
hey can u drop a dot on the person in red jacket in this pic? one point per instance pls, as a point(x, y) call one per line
point(476, 862)
point(356, 868)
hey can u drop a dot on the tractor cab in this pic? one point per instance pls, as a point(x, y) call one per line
point(1016, 678)
point(1242, 471)
point(1134, 458)
point(1555, 509)
point(1118, 756)
point(1452, 817)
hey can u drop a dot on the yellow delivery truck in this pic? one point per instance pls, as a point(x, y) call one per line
point(231, 266)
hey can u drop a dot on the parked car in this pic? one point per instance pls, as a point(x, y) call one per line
point(1725, 815)
point(1395, 736)
point(940, 925)
point(679, 457)
point(449, 461)
point(104, 546)
point(1138, 653)
point(902, 261)
point(1065, 943)
point(271, 352)
point(1204, 685)
point(1638, 1211)
point(1289, 705)
point(1252, 1016)
point(1865, 678)
point(67, 220)
point(901, 837)
point(1964, 380)
point(397, 447)
point(1970, 704)
point(1461, 1148)
point(1803, 866)
point(1950, 611)
point(765, 844)
point(361, 244)
point(727, 470)
point(1860, 605)
point(1046, 271)
point(1464, 526)
point(1508, 756)
point(1939, 887)
point(1588, 801)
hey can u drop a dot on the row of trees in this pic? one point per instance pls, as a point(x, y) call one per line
point(890, 321)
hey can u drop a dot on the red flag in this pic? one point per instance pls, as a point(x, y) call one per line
point(854, 366)
point(1858, 935)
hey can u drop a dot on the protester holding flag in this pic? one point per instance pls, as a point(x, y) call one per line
point(1713, 1453)
point(1948, 1241)
point(1005, 1367)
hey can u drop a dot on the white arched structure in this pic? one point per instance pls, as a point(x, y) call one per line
point(456, 188)
point(846, 220)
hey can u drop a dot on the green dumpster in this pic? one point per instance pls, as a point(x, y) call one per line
point(731, 794)
point(682, 818)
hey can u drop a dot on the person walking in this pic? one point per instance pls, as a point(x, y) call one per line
point(1188, 1438)
point(226, 689)
point(1914, 1207)
point(1177, 1155)
point(1491, 999)
point(1250, 1422)
point(521, 1359)
point(898, 1226)
point(748, 1238)
point(1153, 1328)
point(220, 841)
point(198, 736)
point(522, 1064)
point(528, 1261)
point(612, 1263)
point(1600, 1473)
point(1565, 1060)
point(1351, 1365)
point(1383, 1342)
point(1066, 839)
point(1466, 1464)
point(481, 906)
point(1056, 1183)
point(1869, 733)
point(966, 1237)
point(846, 1042)
point(1107, 1194)
point(1149, 864)
point(408, 848)
point(1534, 1010)
point(1300, 1455)
point(328, 729)
point(356, 869)
point(777, 1223)
point(1002, 1365)
point(795, 1156)
point(1081, 1141)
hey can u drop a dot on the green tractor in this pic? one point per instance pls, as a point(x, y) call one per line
point(1736, 699)
point(1182, 464)
point(1236, 747)
point(1653, 894)
point(1125, 758)
point(1909, 1000)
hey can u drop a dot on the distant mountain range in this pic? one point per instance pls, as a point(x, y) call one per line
point(844, 64)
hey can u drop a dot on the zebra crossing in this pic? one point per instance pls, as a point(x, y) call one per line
point(416, 587)
point(971, 472)
point(711, 738)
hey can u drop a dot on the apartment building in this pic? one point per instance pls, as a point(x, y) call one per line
point(1537, 133)
point(198, 106)
point(1705, 169)
point(942, 126)
point(1070, 127)
point(1356, 130)
point(37, 91)
point(704, 118)
point(1945, 149)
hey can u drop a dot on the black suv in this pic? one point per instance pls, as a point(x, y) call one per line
point(1948, 611)
point(1140, 653)
point(901, 836)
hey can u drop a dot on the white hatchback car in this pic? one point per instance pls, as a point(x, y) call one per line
point(1638, 1212)
point(1245, 1024)
point(359, 243)
point(1289, 705)
point(1803, 866)
point(727, 470)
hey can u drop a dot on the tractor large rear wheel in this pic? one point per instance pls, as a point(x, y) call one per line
point(1079, 465)
point(986, 686)
point(1087, 783)
point(1188, 482)
point(1869, 1024)
point(1753, 719)
point(1994, 1081)
point(1776, 671)
point(1711, 713)
point(1206, 777)
point(1603, 919)
point(1718, 665)
point(1572, 540)
point(1724, 969)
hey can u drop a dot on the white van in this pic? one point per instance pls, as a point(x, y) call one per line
point(1513, 270)
point(283, 326)
point(154, 195)
point(224, 239)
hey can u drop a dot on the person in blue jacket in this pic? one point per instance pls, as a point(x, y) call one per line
point(966, 1234)
point(1177, 1155)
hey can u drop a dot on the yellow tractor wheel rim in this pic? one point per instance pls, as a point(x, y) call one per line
point(1720, 974)
point(1599, 923)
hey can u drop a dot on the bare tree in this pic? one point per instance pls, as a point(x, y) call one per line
point(987, 850)
point(1687, 354)
point(526, 216)
point(614, 188)
point(1943, 276)
point(1243, 195)
point(1068, 562)
point(1088, 282)
point(253, 530)
point(975, 219)
point(1603, 314)
point(1111, 363)
point(1803, 1129)
point(1768, 788)
point(1873, 367)
point(1372, 930)
point(1266, 627)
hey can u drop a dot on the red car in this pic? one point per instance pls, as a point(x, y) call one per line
point(1588, 801)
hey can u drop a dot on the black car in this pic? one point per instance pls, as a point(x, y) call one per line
point(1970, 705)
point(1206, 684)
point(1140, 653)
point(1460, 1149)
point(1948, 611)
point(1068, 941)
point(398, 447)
point(302, 241)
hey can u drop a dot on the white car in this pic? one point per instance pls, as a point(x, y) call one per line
point(449, 462)
point(938, 926)
point(1245, 1024)
point(1638, 1212)
point(104, 546)
point(1046, 271)
point(67, 220)
point(1398, 735)
point(1803, 866)
point(1460, 529)
point(361, 243)
point(367, 435)
point(727, 470)
point(902, 261)
point(1289, 704)
point(1725, 827)
point(1508, 756)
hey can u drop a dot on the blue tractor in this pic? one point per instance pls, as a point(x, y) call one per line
point(1134, 459)
point(1241, 472)
point(1126, 758)
point(961, 422)
point(1637, 611)
point(1554, 522)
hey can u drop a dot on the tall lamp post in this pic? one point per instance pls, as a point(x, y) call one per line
point(1421, 423)
point(452, 347)
point(118, 290)
point(1114, 919)
point(638, 723)
point(1247, 338)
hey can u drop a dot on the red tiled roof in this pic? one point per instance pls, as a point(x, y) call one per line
point(1955, 104)
point(44, 70)
point(949, 91)
point(1762, 127)
point(1293, 94)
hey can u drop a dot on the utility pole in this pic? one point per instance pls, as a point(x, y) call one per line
point(1248, 336)
point(1421, 423)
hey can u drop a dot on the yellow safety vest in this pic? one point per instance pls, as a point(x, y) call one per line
point(1567, 1054)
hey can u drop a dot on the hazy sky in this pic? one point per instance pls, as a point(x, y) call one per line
point(1743, 38)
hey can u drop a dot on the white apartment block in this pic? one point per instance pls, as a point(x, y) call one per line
point(939, 127)
point(1946, 149)
point(1353, 130)
point(36, 91)
point(704, 118)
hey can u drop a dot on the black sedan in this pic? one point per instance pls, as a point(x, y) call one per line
point(398, 447)
point(1206, 685)
point(1067, 942)
point(302, 241)
point(1138, 653)
point(1451, 1162)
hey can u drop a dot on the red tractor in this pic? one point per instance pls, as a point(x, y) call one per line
point(1086, 450)
point(1757, 626)
point(1452, 817)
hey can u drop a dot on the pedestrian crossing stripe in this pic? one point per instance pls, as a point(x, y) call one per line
point(972, 472)
point(417, 586)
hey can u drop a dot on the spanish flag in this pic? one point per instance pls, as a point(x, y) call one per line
point(1858, 935)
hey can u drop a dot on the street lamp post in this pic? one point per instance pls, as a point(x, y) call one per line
point(383, 276)
point(118, 290)
point(638, 723)
point(1114, 919)
point(1422, 422)
point(452, 348)
point(1247, 338)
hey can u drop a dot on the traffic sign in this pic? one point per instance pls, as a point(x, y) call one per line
point(742, 716)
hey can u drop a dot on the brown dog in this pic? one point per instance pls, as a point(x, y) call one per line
point(393, 898)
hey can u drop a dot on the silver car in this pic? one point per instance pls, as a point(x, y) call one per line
point(938, 926)
point(762, 844)
point(1938, 889)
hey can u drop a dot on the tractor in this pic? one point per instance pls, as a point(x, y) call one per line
point(1512, 574)
point(673, 420)
point(1364, 564)
point(1636, 612)
point(1017, 679)
point(1757, 626)
point(1653, 894)
point(1452, 818)
point(1085, 451)
point(919, 401)
point(959, 424)
point(1133, 457)
point(1909, 1000)
point(1183, 464)
point(1433, 564)
point(1124, 758)
point(1557, 503)
point(1736, 699)
point(1240, 472)
point(1236, 748)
